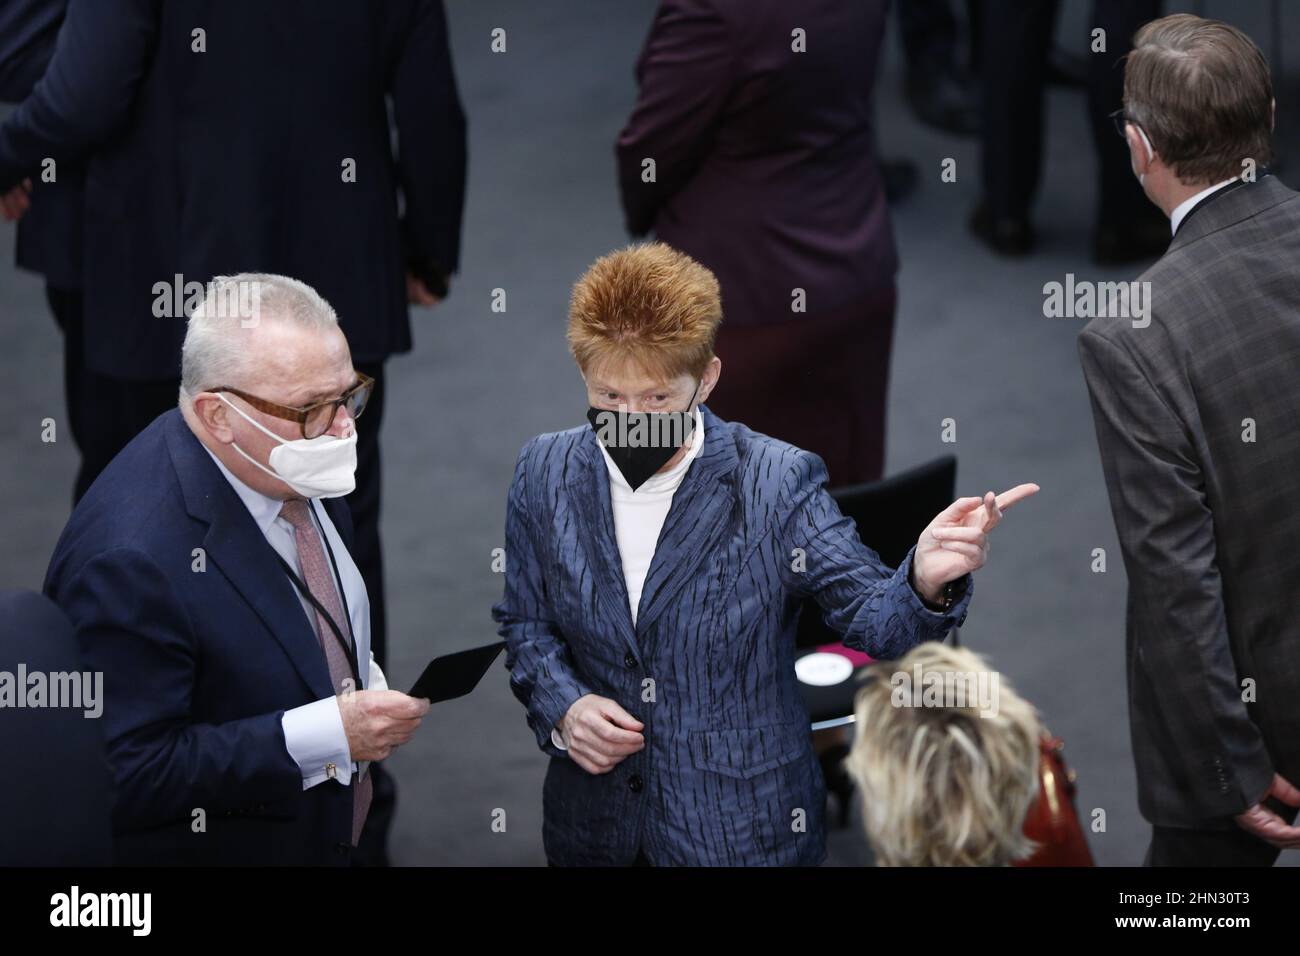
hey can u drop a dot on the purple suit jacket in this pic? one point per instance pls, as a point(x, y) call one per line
point(765, 163)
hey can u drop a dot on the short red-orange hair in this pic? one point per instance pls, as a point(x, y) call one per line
point(649, 304)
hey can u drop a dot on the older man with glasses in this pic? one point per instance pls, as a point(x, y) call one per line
point(209, 576)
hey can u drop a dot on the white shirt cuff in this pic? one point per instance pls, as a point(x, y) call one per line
point(315, 739)
point(557, 739)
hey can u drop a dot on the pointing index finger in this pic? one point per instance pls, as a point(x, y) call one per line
point(1018, 493)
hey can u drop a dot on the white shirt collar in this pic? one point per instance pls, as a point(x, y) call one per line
point(670, 479)
point(1183, 208)
point(263, 508)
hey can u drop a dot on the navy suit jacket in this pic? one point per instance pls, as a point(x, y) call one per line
point(49, 234)
point(230, 160)
point(765, 160)
point(199, 664)
point(28, 30)
point(728, 775)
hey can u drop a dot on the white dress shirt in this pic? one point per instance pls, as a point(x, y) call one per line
point(1183, 208)
point(639, 517)
point(313, 733)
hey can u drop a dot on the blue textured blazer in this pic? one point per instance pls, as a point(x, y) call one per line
point(728, 775)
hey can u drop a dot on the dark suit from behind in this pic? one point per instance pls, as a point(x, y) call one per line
point(232, 159)
point(1206, 519)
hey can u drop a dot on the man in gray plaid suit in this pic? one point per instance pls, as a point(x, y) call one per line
point(1198, 420)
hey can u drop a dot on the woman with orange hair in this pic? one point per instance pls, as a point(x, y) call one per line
point(655, 565)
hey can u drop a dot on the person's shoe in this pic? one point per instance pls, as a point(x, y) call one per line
point(1120, 243)
point(941, 99)
point(1005, 235)
point(900, 177)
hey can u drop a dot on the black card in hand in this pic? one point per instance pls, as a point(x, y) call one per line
point(455, 675)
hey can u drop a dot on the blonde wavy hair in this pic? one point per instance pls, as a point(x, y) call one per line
point(945, 785)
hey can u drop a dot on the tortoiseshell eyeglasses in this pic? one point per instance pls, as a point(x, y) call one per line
point(315, 419)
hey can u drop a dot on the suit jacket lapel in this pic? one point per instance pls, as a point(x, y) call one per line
point(236, 546)
point(700, 508)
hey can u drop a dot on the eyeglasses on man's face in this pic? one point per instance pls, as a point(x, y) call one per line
point(315, 419)
point(1121, 119)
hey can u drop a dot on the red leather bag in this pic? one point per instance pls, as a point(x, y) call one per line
point(1053, 820)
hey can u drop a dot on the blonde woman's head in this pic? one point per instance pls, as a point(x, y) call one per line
point(946, 759)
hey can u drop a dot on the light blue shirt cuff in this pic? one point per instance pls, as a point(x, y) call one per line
point(315, 739)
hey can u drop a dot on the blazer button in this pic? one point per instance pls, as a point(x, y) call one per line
point(629, 660)
point(342, 848)
point(635, 783)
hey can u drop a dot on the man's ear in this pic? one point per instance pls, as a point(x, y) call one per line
point(1141, 155)
point(214, 415)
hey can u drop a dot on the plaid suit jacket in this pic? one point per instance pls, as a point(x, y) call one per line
point(1198, 421)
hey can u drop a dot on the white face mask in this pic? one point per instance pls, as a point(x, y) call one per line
point(323, 467)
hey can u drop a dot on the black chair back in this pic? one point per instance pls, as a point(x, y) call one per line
point(890, 515)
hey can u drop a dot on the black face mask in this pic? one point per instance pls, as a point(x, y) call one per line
point(640, 443)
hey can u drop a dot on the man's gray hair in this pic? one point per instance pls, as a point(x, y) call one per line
point(215, 350)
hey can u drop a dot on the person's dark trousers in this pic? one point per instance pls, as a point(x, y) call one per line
point(1120, 197)
point(372, 850)
point(929, 31)
point(1175, 846)
point(104, 412)
point(1017, 40)
point(1016, 37)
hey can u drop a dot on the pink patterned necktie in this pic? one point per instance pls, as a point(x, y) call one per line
point(320, 582)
